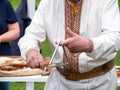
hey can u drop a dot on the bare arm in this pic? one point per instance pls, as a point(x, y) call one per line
point(11, 34)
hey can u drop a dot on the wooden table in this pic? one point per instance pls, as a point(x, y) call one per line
point(28, 79)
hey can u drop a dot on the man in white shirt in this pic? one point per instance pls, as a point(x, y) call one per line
point(90, 32)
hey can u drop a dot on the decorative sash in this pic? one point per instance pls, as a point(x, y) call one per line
point(72, 20)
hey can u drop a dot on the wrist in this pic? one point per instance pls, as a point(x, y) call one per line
point(90, 46)
point(30, 50)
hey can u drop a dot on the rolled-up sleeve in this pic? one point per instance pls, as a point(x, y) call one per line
point(35, 32)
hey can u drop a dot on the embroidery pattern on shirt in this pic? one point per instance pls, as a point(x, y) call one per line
point(72, 20)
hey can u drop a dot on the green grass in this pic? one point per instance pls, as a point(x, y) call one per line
point(117, 58)
point(46, 52)
point(22, 86)
point(119, 2)
point(15, 3)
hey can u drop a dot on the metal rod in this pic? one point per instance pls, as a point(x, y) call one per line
point(54, 52)
point(65, 54)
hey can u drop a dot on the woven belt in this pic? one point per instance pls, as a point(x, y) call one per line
point(75, 75)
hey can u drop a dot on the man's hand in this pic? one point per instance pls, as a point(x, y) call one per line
point(35, 59)
point(75, 43)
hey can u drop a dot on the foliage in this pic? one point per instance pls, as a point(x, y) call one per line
point(16, 3)
point(22, 86)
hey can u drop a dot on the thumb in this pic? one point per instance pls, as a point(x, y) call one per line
point(70, 32)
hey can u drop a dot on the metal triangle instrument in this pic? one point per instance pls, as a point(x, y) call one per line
point(61, 63)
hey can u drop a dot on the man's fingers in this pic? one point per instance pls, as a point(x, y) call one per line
point(30, 63)
point(42, 64)
point(70, 33)
point(65, 42)
point(35, 63)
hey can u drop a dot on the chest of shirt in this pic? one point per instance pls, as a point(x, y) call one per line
point(90, 21)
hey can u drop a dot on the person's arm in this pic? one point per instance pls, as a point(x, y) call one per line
point(11, 34)
point(34, 33)
point(12, 25)
point(109, 40)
